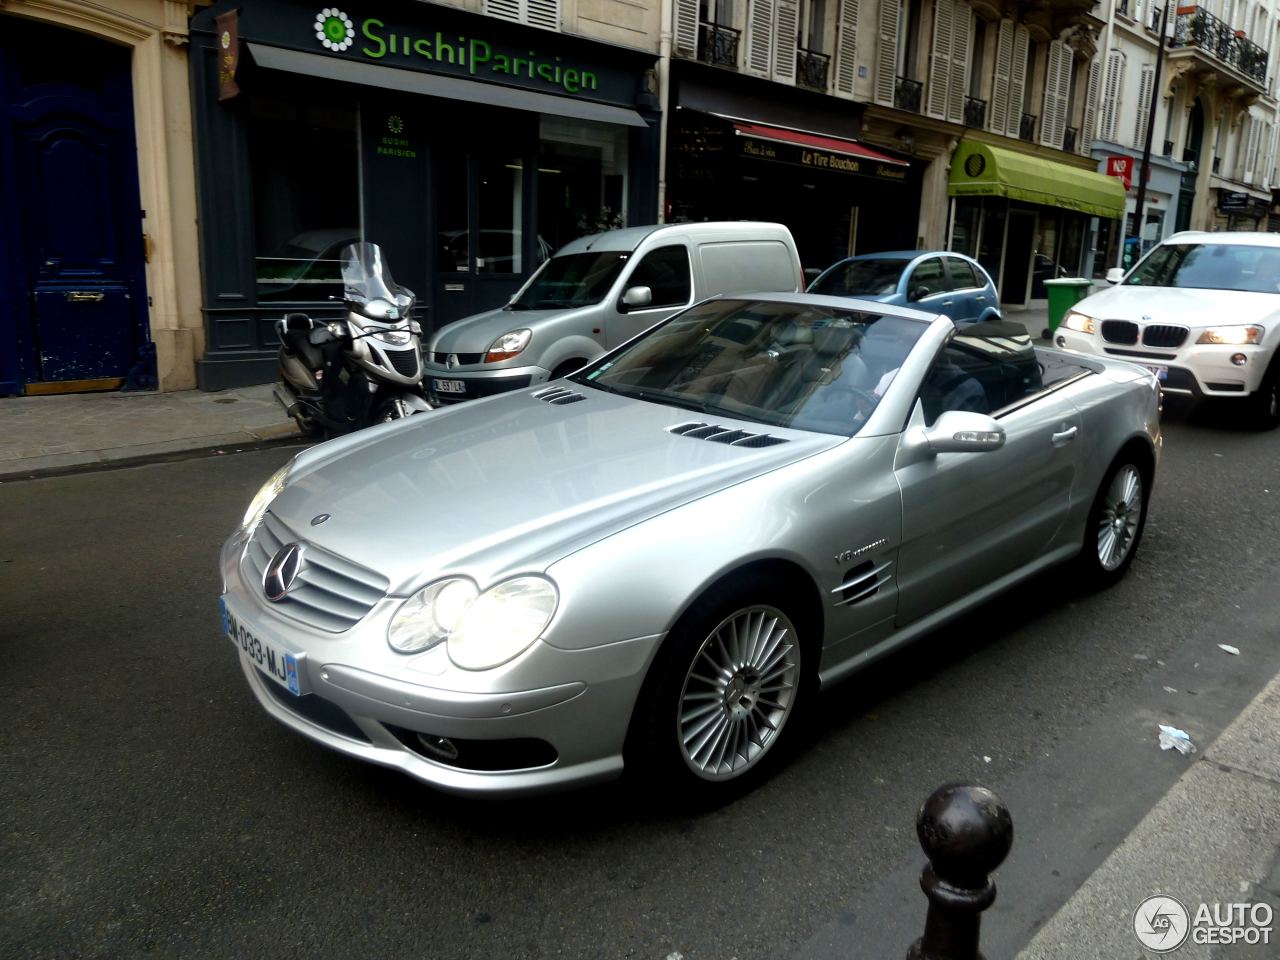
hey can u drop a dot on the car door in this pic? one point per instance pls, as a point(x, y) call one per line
point(665, 271)
point(928, 288)
point(969, 519)
point(968, 291)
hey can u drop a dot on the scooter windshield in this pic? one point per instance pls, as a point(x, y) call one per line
point(366, 276)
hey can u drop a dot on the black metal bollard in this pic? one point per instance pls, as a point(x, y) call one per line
point(966, 832)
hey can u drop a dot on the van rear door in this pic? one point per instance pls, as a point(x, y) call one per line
point(748, 266)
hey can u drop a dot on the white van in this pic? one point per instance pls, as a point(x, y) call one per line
point(600, 291)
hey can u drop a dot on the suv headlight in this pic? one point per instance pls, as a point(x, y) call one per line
point(508, 345)
point(483, 630)
point(262, 499)
point(1079, 322)
point(1236, 335)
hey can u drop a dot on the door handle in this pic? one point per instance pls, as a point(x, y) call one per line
point(947, 303)
point(1063, 437)
point(981, 299)
point(84, 296)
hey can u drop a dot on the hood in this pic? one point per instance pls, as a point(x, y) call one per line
point(1180, 305)
point(513, 483)
point(474, 334)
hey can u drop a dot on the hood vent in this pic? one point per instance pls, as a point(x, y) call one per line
point(558, 395)
point(735, 438)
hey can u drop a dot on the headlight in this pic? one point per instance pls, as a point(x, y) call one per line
point(483, 630)
point(380, 310)
point(262, 499)
point(1079, 322)
point(1234, 335)
point(507, 345)
point(396, 335)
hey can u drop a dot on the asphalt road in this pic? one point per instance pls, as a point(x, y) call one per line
point(149, 808)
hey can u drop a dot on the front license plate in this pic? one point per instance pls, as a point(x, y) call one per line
point(1161, 372)
point(448, 386)
point(267, 655)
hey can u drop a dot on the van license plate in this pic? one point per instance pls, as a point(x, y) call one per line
point(448, 386)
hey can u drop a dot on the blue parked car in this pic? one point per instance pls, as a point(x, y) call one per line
point(931, 280)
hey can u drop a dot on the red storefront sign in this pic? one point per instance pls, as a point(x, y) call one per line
point(1121, 167)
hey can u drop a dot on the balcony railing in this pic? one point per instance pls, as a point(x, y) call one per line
point(718, 44)
point(906, 94)
point(1027, 127)
point(1204, 31)
point(811, 69)
point(1069, 139)
point(975, 112)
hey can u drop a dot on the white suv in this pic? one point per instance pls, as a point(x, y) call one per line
point(1202, 311)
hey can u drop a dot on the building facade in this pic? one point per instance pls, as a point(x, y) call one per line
point(98, 247)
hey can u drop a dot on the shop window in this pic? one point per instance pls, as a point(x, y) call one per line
point(501, 200)
point(582, 179)
point(453, 227)
point(665, 271)
point(305, 209)
point(964, 229)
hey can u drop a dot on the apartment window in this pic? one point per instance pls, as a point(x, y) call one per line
point(717, 11)
point(978, 62)
point(813, 20)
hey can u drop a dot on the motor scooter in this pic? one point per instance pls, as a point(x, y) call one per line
point(342, 375)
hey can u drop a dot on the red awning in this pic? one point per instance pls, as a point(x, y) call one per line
point(850, 148)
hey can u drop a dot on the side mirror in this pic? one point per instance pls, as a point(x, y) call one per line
point(919, 293)
point(1115, 274)
point(637, 297)
point(963, 431)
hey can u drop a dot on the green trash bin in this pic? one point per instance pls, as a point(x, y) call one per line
point(1064, 293)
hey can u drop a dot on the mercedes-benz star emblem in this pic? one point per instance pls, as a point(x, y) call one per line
point(282, 571)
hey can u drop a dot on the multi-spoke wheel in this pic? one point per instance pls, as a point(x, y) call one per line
point(1115, 523)
point(723, 692)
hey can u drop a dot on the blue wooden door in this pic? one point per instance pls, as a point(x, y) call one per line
point(75, 286)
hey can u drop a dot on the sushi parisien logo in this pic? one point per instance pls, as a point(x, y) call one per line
point(334, 29)
point(1162, 924)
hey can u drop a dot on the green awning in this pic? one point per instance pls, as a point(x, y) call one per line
point(981, 170)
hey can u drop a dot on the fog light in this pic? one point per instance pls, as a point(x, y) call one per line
point(1061, 341)
point(441, 747)
point(1239, 359)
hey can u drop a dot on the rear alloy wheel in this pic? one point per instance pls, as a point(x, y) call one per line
point(1115, 524)
point(722, 694)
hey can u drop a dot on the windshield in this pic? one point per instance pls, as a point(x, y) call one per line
point(1212, 266)
point(860, 278)
point(786, 364)
point(572, 280)
point(366, 276)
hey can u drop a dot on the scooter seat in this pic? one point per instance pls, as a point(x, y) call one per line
point(297, 343)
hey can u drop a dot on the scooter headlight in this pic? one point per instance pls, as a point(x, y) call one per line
point(380, 310)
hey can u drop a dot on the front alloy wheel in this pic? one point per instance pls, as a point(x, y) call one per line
point(1117, 529)
point(738, 693)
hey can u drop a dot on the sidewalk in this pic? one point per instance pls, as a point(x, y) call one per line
point(1213, 839)
point(53, 434)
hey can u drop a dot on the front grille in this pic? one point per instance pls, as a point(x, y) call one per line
point(734, 438)
point(1226, 387)
point(405, 362)
point(1144, 354)
point(463, 358)
point(1164, 335)
point(330, 593)
point(1119, 331)
point(318, 710)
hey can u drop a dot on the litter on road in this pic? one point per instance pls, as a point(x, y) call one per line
point(1234, 651)
point(1171, 738)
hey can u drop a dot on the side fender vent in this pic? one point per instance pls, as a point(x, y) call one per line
point(558, 395)
point(732, 437)
point(862, 582)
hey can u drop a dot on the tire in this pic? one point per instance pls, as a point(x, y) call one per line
point(721, 704)
point(1116, 521)
point(1265, 402)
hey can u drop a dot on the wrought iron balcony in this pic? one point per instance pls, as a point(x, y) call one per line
point(975, 112)
point(811, 69)
point(1122, 7)
point(1027, 127)
point(1202, 31)
point(718, 44)
point(906, 94)
point(1069, 139)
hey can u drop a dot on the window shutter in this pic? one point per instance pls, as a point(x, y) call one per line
point(1144, 104)
point(504, 9)
point(1001, 72)
point(939, 59)
point(1057, 85)
point(536, 13)
point(1110, 112)
point(761, 20)
point(887, 53)
point(685, 27)
point(1018, 80)
point(1089, 125)
point(785, 37)
point(1251, 151)
point(961, 41)
point(846, 45)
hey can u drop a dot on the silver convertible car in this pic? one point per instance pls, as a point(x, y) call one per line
point(657, 562)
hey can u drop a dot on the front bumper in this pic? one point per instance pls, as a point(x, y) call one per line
point(549, 719)
point(1197, 370)
point(480, 383)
